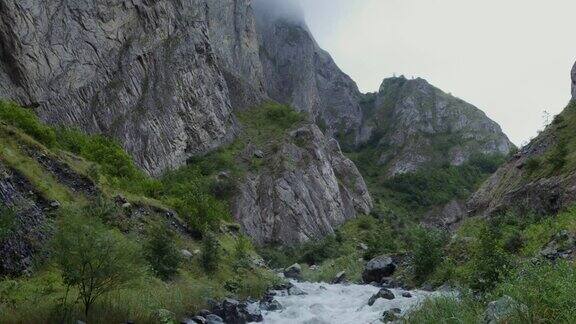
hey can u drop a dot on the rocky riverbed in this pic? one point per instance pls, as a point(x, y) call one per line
point(322, 303)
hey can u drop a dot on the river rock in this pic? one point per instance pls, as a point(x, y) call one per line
point(295, 291)
point(293, 272)
point(406, 294)
point(235, 312)
point(500, 310)
point(383, 293)
point(389, 316)
point(378, 268)
point(339, 278)
point(214, 319)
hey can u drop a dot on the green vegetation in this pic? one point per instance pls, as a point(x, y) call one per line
point(161, 252)
point(109, 262)
point(7, 221)
point(426, 252)
point(93, 259)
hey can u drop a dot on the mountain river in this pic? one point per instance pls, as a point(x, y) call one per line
point(324, 303)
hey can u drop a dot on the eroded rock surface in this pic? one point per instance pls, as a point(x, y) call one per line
point(306, 190)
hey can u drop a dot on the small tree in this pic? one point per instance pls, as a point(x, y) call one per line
point(426, 251)
point(489, 261)
point(162, 253)
point(242, 252)
point(210, 252)
point(93, 259)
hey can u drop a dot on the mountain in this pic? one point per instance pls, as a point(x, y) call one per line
point(409, 124)
point(540, 178)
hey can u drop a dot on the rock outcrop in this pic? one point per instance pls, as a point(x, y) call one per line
point(540, 178)
point(142, 72)
point(306, 190)
point(414, 124)
point(299, 73)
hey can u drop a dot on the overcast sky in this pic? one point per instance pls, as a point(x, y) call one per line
point(510, 58)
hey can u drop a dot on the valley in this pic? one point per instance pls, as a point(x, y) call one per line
point(205, 161)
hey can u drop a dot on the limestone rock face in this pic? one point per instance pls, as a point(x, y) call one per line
point(414, 124)
point(298, 72)
point(307, 190)
point(143, 72)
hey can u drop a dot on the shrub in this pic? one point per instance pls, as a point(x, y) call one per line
point(557, 157)
point(161, 252)
point(111, 157)
point(546, 289)
point(242, 252)
point(211, 252)
point(93, 259)
point(426, 252)
point(7, 221)
point(532, 165)
point(446, 310)
point(489, 261)
point(27, 121)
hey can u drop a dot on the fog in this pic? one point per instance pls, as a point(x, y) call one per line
point(510, 58)
point(290, 10)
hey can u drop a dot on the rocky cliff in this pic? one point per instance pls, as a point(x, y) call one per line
point(409, 124)
point(540, 178)
point(307, 189)
point(143, 72)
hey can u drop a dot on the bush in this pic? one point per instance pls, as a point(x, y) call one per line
point(111, 157)
point(489, 262)
point(161, 252)
point(93, 259)
point(532, 165)
point(7, 221)
point(546, 289)
point(28, 122)
point(426, 252)
point(557, 157)
point(445, 310)
point(242, 250)
point(211, 252)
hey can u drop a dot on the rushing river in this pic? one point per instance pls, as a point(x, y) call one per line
point(337, 303)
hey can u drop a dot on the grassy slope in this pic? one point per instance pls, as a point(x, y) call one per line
point(191, 191)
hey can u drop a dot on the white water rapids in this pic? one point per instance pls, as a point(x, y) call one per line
point(338, 303)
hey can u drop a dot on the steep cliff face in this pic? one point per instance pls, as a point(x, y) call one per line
point(299, 73)
point(307, 189)
point(409, 124)
point(540, 178)
point(142, 72)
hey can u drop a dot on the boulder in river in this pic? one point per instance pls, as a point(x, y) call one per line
point(383, 293)
point(293, 272)
point(378, 268)
point(389, 316)
point(234, 312)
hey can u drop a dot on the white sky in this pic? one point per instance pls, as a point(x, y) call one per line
point(510, 58)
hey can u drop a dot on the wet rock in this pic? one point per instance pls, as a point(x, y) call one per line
point(235, 312)
point(272, 305)
point(383, 293)
point(203, 313)
point(259, 154)
point(389, 316)
point(295, 291)
point(214, 319)
point(378, 268)
point(406, 294)
point(500, 310)
point(340, 278)
point(193, 320)
point(293, 272)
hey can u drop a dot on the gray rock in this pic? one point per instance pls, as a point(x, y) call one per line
point(186, 254)
point(362, 246)
point(293, 272)
point(55, 204)
point(259, 154)
point(142, 72)
point(383, 293)
point(389, 316)
point(295, 291)
point(406, 294)
point(213, 319)
point(310, 189)
point(378, 268)
point(272, 305)
point(417, 111)
point(502, 309)
point(339, 278)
